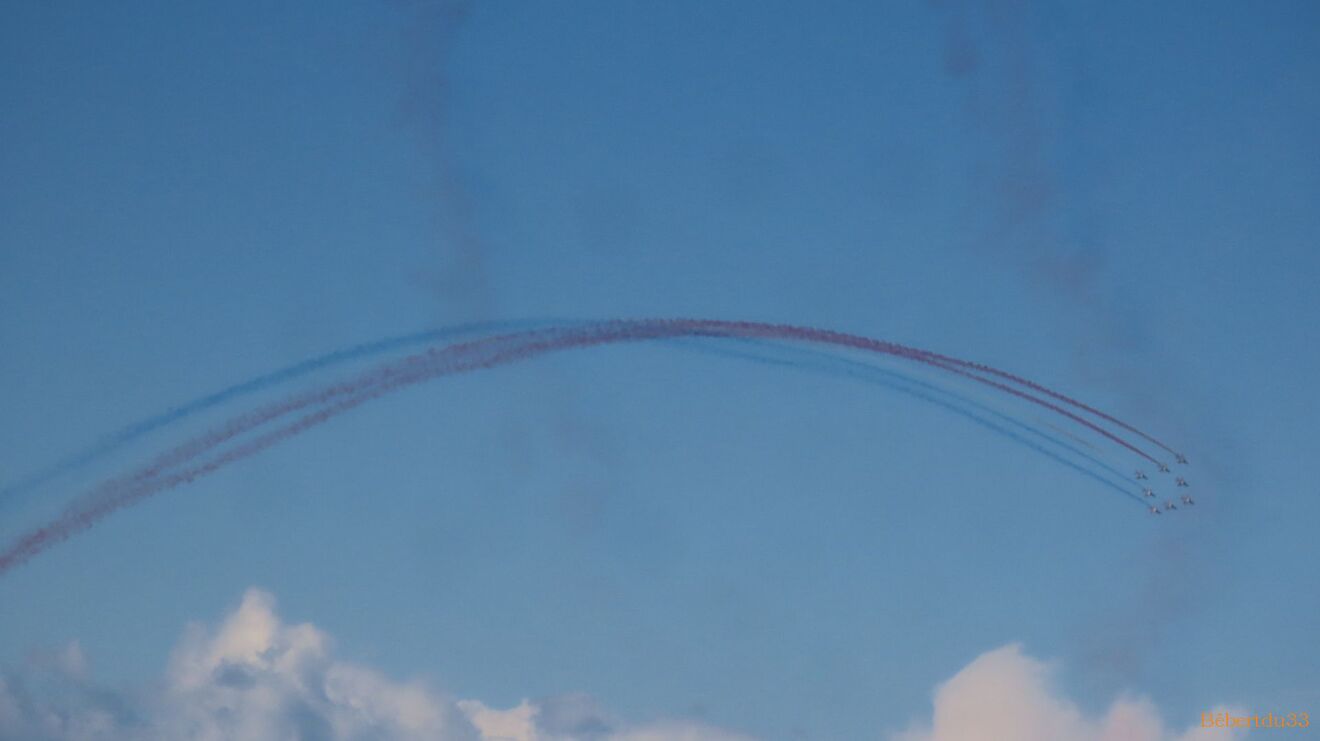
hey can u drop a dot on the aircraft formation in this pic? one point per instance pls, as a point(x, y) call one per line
point(1169, 505)
point(449, 352)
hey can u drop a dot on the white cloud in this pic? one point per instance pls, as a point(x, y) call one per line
point(252, 678)
point(1005, 694)
point(577, 718)
point(255, 677)
point(678, 731)
point(515, 724)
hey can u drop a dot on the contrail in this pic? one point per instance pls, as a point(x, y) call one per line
point(270, 412)
point(953, 365)
point(439, 361)
point(980, 414)
point(142, 428)
point(1053, 394)
point(649, 329)
point(121, 492)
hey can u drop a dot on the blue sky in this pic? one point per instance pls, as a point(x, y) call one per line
point(1113, 198)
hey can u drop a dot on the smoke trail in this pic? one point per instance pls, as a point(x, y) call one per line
point(962, 406)
point(605, 332)
point(460, 277)
point(1053, 394)
point(124, 491)
point(137, 430)
point(644, 329)
point(436, 361)
point(140, 429)
point(953, 365)
point(121, 493)
point(1013, 106)
point(483, 353)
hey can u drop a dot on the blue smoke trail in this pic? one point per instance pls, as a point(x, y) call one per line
point(808, 359)
point(811, 360)
point(140, 429)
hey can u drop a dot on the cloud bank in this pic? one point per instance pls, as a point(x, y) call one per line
point(253, 676)
point(1005, 694)
point(256, 677)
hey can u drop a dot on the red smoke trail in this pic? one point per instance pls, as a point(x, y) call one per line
point(250, 420)
point(617, 331)
point(120, 492)
point(1048, 392)
point(716, 327)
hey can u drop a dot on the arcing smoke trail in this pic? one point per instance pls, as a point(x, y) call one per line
point(140, 429)
point(963, 407)
point(137, 430)
point(121, 492)
point(434, 359)
point(484, 353)
point(1050, 393)
point(637, 330)
point(953, 365)
point(116, 495)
